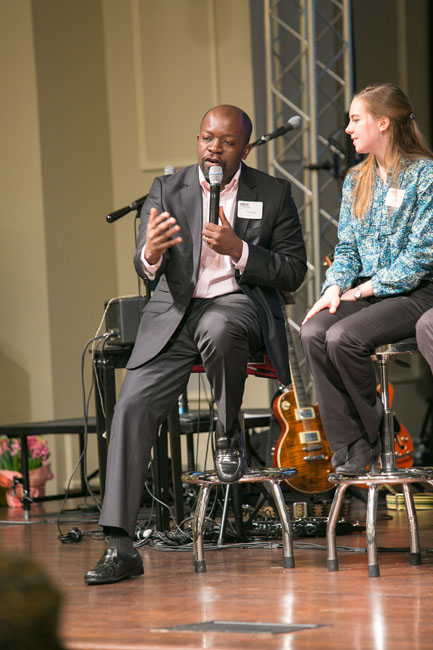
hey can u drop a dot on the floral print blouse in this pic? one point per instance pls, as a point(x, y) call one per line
point(393, 243)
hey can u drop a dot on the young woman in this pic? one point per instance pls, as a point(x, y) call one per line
point(381, 280)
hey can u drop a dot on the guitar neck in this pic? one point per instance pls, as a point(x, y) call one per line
point(301, 396)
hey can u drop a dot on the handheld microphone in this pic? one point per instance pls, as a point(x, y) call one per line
point(292, 124)
point(215, 179)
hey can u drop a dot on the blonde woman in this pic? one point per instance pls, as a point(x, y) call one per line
point(381, 280)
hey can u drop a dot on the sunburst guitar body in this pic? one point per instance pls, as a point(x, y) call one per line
point(302, 444)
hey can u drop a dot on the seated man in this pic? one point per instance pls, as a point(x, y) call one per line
point(424, 336)
point(217, 297)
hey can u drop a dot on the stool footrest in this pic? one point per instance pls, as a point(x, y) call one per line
point(208, 479)
point(252, 475)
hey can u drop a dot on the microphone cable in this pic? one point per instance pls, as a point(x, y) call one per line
point(76, 535)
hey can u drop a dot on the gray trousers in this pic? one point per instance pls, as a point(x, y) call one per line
point(338, 349)
point(223, 331)
point(424, 336)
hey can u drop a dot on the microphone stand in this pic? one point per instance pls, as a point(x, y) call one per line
point(121, 212)
point(135, 205)
point(271, 136)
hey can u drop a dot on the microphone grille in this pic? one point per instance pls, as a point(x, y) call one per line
point(295, 122)
point(215, 175)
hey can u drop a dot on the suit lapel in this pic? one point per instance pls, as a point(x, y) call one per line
point(247, 191)
point(193, 207)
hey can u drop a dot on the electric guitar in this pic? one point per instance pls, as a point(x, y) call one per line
point(302, 443)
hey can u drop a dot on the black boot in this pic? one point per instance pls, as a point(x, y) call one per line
point(339, 457)
point(359, 455)
point(230, 455)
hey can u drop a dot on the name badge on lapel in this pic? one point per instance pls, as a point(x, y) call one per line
point(250, 209)
point(394, 197)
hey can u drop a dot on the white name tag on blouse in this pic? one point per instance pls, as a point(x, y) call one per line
point(394, 197)
point(250, 209)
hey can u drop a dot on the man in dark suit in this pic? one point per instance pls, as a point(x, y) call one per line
point(217, 296)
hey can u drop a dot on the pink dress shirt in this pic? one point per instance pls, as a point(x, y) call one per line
point(216, 271)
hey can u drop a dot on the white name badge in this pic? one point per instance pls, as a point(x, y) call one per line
point(250, 209)
point(394, 197)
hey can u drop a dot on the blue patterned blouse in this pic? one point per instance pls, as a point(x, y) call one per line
point(393, 243)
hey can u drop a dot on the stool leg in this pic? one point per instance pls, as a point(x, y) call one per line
point(373, 564)
point(387, 454)
point(197, 529)
point(415, 553)
point(288, 557)
point(332, 523)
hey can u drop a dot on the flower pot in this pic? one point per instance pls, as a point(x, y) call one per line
point(37, 479)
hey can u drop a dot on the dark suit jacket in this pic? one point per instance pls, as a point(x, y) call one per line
point(276, 261)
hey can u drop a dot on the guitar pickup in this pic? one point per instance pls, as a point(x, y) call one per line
point(312, 448)
point(305, 413)
point(314, 458)
point(308, 437)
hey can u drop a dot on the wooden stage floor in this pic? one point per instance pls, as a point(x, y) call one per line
point(392, 612)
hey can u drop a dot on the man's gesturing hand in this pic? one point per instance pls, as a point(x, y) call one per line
point(160, 235)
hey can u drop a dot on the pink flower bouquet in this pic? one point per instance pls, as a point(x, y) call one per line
point(10, 453)
point(10, 466)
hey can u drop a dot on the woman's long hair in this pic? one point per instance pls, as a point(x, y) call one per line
point(405, 139)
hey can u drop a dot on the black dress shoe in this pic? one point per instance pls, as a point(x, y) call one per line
point(359, 455)
point(230, 455)
point(115, 566)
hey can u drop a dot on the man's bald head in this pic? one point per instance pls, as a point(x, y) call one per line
point(244, 119)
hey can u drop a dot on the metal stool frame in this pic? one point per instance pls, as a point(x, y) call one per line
point(208, 479)
point(389, 474)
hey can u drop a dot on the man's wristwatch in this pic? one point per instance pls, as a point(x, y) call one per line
point(358, 294)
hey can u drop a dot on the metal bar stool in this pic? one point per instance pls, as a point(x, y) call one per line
point(208, 479)
point(388, 474)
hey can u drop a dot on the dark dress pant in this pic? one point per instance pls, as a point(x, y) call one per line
point(424, 336)
point(223, 331)
point(338, 348)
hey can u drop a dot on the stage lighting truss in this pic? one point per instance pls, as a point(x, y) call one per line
point(309, 73)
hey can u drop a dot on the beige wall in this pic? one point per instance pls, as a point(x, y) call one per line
point(167, 63)
point(97, 97)
point(25, 378)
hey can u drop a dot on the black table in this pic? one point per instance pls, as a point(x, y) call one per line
point(48, 427)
